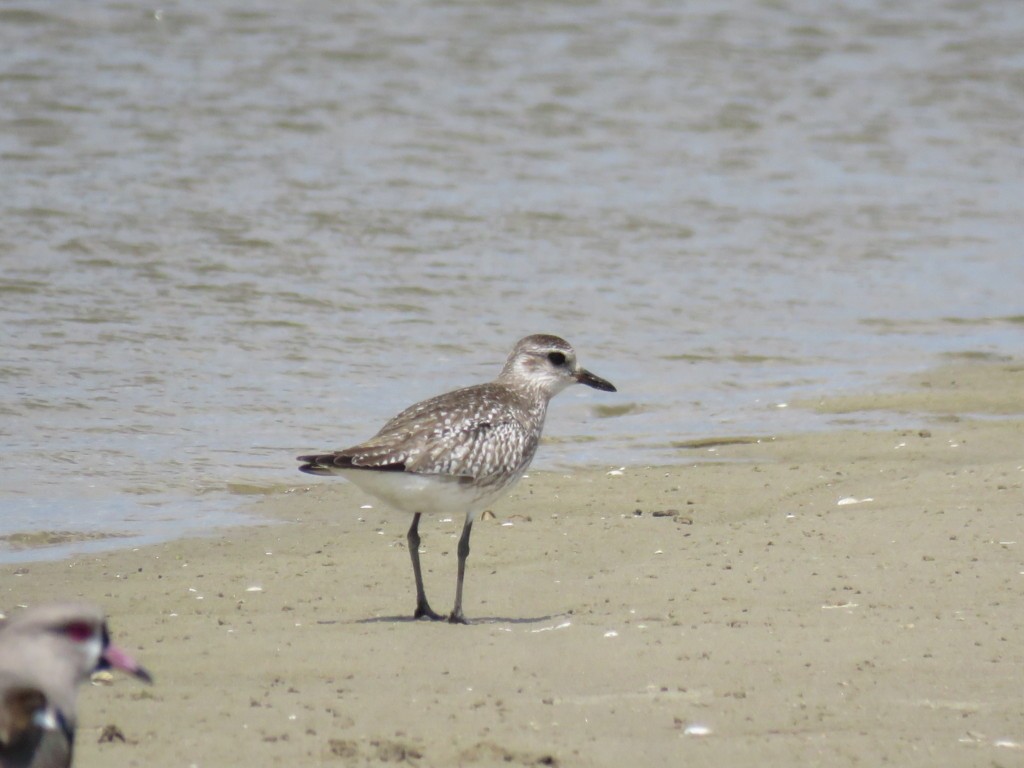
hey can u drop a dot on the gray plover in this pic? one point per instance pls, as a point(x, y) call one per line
point(46, 652)
point(458, 451)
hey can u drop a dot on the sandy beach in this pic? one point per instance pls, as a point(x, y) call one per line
point(840, 598)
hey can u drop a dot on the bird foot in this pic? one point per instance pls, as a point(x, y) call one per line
point(457, 618)
point(424, 612)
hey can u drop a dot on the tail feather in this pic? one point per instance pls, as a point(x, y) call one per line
point(330, 463)
point(321, 463)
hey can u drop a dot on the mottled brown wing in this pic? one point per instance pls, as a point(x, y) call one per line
point(472, 432)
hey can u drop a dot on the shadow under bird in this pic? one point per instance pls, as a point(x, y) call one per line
point(459, 451)
point(46, 653)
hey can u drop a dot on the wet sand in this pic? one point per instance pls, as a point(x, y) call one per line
point(841, 598)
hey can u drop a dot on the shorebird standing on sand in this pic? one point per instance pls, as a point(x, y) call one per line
point(459, 451)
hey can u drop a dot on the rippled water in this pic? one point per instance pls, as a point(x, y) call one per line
point(231, 233)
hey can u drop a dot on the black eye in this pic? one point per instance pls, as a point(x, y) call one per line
point(556, 358)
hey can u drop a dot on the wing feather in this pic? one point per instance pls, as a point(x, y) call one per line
point(475, 433)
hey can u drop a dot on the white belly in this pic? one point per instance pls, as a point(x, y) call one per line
point(428, 494)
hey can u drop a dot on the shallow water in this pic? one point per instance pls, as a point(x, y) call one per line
point(233, 234)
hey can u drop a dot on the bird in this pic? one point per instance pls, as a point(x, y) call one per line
point(459, 451)
point(46, 652)
point(23, 718)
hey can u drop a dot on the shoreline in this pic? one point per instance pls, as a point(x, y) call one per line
point(984, 387)
point(841, 598)
point(971, 386)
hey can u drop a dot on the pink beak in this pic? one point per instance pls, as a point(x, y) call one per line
point(115, 658)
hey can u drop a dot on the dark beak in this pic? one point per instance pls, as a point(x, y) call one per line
point(583, 376)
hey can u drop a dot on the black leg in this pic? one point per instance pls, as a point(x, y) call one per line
point(457, 617)
point(413, 538)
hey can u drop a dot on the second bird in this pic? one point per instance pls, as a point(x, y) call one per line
point(459, 451)
point(46, 652)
